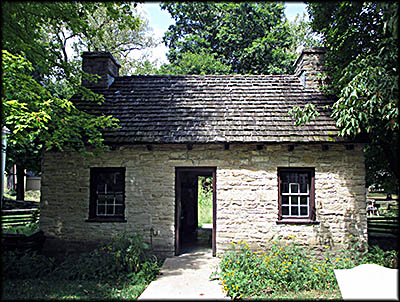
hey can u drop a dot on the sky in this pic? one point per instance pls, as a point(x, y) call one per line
point(159, 21)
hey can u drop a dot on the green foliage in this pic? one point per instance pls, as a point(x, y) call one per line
point(369, 99)
point(28, 264)
point(128, 31)
point(26, 229)
point(205, 197)
point(40, 73)
point(289, 267)
point(44, 30)
point(37, 119)
point(248, 38)
point(378, 171)
point(302, 34)
point(121, 269)
point(361, 42)
point(303, 115)
point(196, 63)
point(125, 257)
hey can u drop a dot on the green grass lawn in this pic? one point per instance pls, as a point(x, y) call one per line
point(33, 195)
point(332, 294)
point(47, 288)
point(381, 196)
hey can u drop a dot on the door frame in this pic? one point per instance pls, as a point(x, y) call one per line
point(199, 170)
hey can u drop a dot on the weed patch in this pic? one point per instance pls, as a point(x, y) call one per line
point(289, 268)
point(120, 269)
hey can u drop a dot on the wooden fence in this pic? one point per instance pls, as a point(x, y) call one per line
point(383, 226)
point(17, 217)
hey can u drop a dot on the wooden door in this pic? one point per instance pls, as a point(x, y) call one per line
point(178, 209)
point(180, 173)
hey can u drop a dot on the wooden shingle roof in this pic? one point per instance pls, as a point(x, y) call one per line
point(211, 109)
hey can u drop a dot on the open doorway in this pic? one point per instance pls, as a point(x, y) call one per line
point(194, 228)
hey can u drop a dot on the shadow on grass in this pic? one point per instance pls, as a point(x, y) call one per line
point(48, 288)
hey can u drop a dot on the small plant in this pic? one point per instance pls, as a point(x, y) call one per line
point(288, 267)
point(26, 264)
point(124, 257)
point(26, 229)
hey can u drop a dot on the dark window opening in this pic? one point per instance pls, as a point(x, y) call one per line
point(296, 193)
point(107, 194)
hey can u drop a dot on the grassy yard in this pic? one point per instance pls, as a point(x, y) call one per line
point(48, 288)
point(381, 196)
point(32, 195)
point(329, 294)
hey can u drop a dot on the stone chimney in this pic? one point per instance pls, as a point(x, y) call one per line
point(308, 65)
point(103, 64)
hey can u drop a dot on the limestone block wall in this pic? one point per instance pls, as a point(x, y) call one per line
point(247, 193)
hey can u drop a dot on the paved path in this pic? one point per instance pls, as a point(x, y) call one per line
point(186, 277)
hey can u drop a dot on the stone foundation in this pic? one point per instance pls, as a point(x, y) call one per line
point(247, 193)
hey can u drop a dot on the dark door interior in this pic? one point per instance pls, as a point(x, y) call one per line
point(188, 236)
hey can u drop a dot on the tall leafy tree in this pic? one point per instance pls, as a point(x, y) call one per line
point(37, 119)
point(196, 63)
point(250, 37)
point(361, 41)
point(41, 71)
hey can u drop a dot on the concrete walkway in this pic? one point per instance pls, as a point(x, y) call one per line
point(186, 277)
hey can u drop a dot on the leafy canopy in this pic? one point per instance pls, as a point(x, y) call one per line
point(38, 119)
point(361, 43)
point(41, 66)
point(245, 37)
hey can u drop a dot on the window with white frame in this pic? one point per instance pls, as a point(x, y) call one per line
point(107, 194)
point(296, 193)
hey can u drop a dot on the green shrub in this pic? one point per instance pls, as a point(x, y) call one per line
point(26, 229)
point(124, 257)
point(26, 265)
point(288, 267)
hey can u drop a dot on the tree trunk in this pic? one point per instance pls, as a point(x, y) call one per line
point(20, 183)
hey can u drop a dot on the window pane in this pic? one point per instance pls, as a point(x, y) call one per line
point(303, 178)
point(284, 177)
point(303, 188)
point(101, 199)
point(304, 200)
point(101, 210)
point(107, 187)
point(293, 177)
point(110, 199)
point(304, 211)
point(119, 210)
point(100, 187)
point(294, 188)
point(110, 209)
point(118, 199)
point(294, 200)
point(285, 187)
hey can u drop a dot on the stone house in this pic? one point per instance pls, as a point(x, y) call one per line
point(270, 177)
